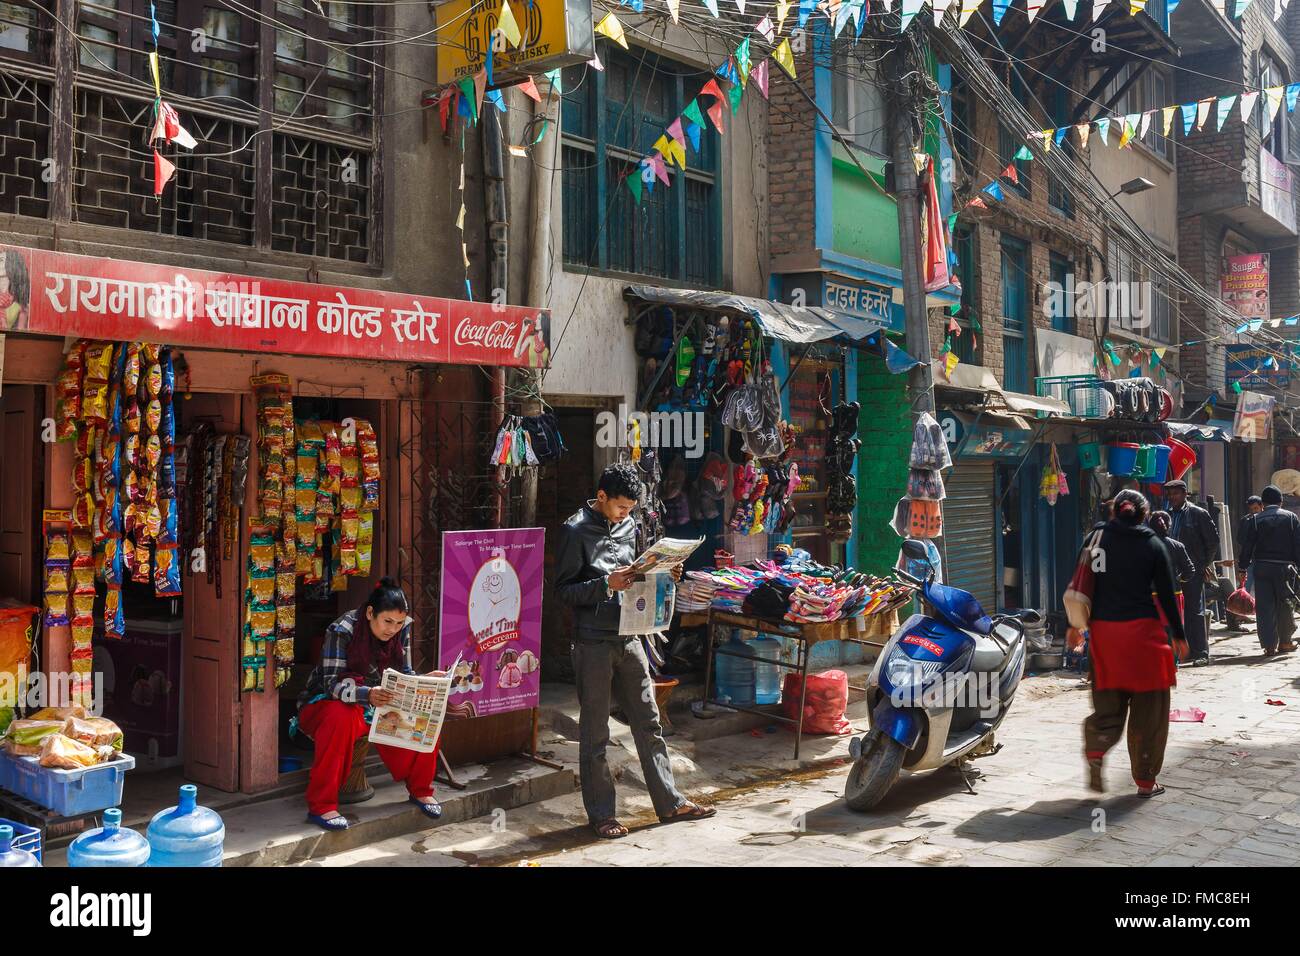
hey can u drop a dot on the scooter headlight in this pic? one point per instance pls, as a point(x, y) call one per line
point(902, 672)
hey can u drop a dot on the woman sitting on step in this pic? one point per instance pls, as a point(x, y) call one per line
point(334, 708)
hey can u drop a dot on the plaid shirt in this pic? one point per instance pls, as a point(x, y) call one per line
point(331, 678)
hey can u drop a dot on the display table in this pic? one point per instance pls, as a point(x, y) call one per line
point(873, 630)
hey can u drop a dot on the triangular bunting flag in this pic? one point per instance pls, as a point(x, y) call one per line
point(711, 88)
point(1136, 6)
point(610, 27)
point(693, 131)
point(968, 8)
point(1103, 128)
point(496, 99)
point(1097, 7)
point(1033, 8)
point(1084, 129)
point(759, 76)
point(676, 151)
point(743, 63)
point(1061, 133)
point(595, 63)
point(994, 190)
point(634, 185)
point(661, 144)
point(1203, 111)
point(1242, 5)
point(1071, 8)
point(469, 95)
point(693, 115)
point(1011, 174)
point(529, 88)
point(507, 24)
point(940, 8)
point(782, 11)
point(487, 67)
point(740, 5)
point(843, 14)
point(1169, 112)
point(1146, 124)
point(1274, 95)
point(784, 58)
point(1189, 117)
point(480, 87)
point(1292, 91)
point(675, 131)
point(806, 7)
point(661, 169)
point(910, 9)
point(737, 91)
point(715, 114)
point(978, 203)
point(1248, 101)
point(1126, 129)
point(1023, 153)
point(1225, 107)
point(1000, 8)
point(712, 6)
point(765, 29)
point(1048, 135)
point(727, 70)
point(163, 170)
point(153, 68)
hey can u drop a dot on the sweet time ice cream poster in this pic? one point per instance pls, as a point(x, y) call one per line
point(491, 617)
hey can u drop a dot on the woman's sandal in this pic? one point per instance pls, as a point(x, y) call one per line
point(610, 829)
point(696, 812)
point(1153, 792)
point(431, 810)
point(331, 824)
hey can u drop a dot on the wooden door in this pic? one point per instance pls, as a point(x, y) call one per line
point(19, 457)
point(210, 724)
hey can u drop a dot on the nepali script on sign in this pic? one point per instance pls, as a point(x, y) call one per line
point(413, 721)
point(646, 606)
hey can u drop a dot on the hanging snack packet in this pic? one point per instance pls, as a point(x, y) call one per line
point(167, 573)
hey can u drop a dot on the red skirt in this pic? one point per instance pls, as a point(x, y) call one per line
point(1131, 655)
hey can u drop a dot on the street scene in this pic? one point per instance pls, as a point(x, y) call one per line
point(729, 434)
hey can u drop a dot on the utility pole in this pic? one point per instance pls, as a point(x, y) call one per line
point(902, 138)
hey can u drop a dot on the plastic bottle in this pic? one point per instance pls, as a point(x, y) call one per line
point(186, 834)
point(109, 845)
point(9, 856)
point(767, 677)
point(735, 673)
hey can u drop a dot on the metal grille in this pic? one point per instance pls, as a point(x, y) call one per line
point(321, 199)
point(25, 134)
point(213, 194)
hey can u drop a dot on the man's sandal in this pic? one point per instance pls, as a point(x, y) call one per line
point(610, 829)
point(1148, 794)
point(695, 812)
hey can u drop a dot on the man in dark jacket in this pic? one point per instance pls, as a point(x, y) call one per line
point(596, 548)
point(1193, 526)
point(1271, 546)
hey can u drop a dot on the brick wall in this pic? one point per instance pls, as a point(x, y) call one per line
point(791, 172)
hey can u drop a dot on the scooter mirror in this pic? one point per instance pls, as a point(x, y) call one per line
point(914, 550)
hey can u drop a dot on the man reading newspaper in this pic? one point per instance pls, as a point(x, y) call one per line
point(594, 565)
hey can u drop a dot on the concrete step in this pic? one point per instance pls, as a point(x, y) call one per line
point(274, 832)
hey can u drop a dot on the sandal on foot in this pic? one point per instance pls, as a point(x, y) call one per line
point(695, 812)
point(610, 830)
point(431, 810)
point(331, 824)
point(1096, 783)
point(1153, 792)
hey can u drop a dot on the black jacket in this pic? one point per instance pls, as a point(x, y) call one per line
point(589, 548)
point(1271, 535)
point(1199, 536)
point(1184, 570)
point(1136, 564)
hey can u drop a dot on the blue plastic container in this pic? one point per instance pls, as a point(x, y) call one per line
point(1161, 470)
point(25, 837)
point(9, 855)
point(1121, 458)
point(735, 672)
point(68, 793)
point(767, 677)
point(186, 834)
point(109, 845)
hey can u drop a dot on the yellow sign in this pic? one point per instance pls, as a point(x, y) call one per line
point(555, 33)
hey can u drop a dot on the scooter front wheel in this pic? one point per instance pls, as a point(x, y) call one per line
point(873, 774)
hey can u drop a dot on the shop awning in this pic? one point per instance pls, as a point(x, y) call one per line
point(976, 378)
point(802, 325)
point(1207, 431)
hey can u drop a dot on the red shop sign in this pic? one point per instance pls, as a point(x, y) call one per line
point(98, 298)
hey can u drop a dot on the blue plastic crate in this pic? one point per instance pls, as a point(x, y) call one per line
point(25, 837)
point(68, 793)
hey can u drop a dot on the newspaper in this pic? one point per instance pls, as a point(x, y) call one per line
point(646, 606)
point(413, 721)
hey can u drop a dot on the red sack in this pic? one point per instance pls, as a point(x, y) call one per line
point(825, 704)
point(1241, 603)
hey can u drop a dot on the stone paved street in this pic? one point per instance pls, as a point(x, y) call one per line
point(1233, 798)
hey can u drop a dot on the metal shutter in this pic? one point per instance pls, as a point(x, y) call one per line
point(969, 531)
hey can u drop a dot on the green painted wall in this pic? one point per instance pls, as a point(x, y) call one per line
point(866, 220)
point(885, 427)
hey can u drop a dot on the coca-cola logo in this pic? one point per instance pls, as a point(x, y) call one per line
point(500, 334)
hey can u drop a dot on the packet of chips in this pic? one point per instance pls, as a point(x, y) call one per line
point(98, 360)
point(166, 573)
point(83, 579)
point(140, 574)
point(263, 622)
point(365, 542)
point(83, 512)
point(263, 588)
point(56, 577)
point(154, 381)
point(261, 553)
point(285, 617)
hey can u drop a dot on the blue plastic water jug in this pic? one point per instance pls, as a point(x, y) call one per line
point(735, 673)
point(186, 834)
point(109, 845)
point(767, 677)
point(9, 856)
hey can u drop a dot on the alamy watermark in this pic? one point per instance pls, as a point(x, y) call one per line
point(677, 429)
point(1130, 302)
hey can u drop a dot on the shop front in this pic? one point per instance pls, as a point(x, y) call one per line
point(231, 463)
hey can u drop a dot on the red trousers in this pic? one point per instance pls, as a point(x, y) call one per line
point(334, 728)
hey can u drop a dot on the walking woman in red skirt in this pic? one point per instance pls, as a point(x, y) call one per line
point(333, 708)
point(1132, 661)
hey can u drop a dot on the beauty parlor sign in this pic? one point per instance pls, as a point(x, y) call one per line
point(96, 298)
point(490, 619)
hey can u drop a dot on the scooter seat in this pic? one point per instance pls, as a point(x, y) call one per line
point(989, 656)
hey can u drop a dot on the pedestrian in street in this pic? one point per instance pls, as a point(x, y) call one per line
point(334, 709)
point(1193, 526)
point(1184, 570)
point(1254, 505)
point(1270, 546)
point(1130, 654)
point(596, 548)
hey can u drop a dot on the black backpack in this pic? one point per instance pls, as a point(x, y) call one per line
point(544, 432)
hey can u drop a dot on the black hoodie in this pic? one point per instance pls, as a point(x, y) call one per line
point(1134, 564)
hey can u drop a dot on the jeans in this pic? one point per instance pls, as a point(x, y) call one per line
point(1198, 641)
point(601, 669)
